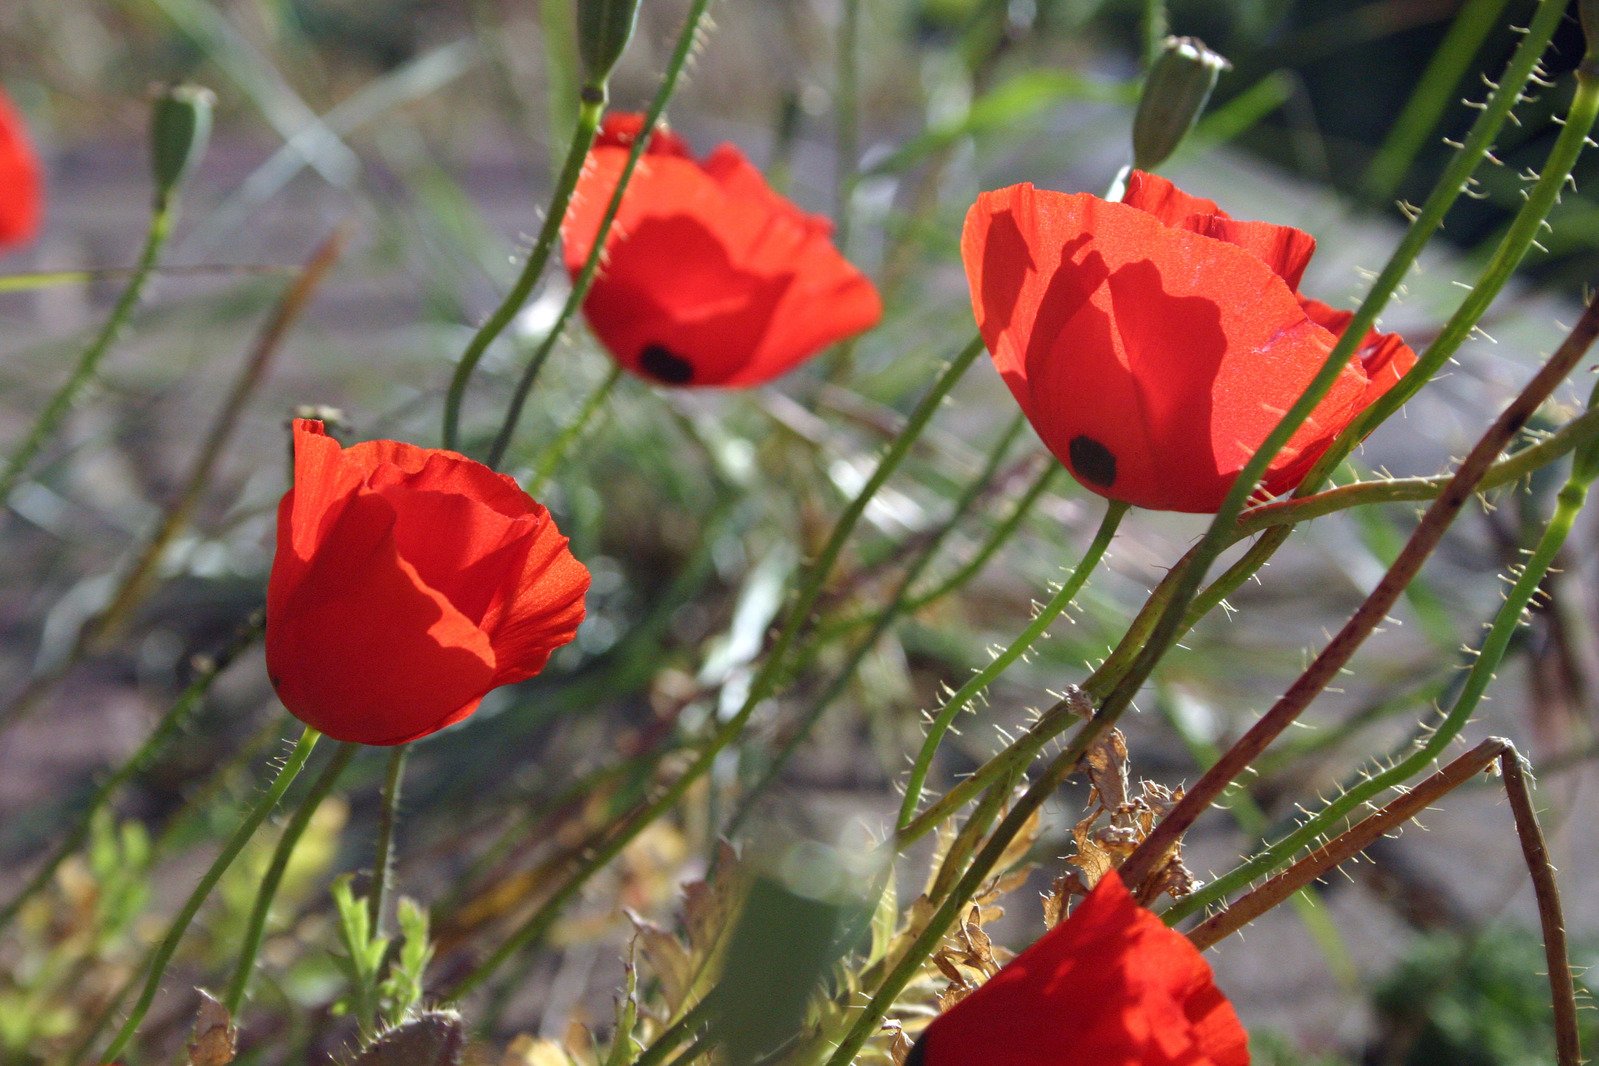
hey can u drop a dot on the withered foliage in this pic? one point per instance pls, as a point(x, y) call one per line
point(1114, 824)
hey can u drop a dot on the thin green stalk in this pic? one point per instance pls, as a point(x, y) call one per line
point(996, 539)
point(255, 931)
point(675, 1034)
point(761, 687)
point(556, 450)
point(161, 222)
point(1169, 626)
point(1252, 820)
point(230, 851)
point(847, 116)
point(172, 723)
point(388, 815)
point(1046, 616)
point(1160, 624)
point(1489, 655)
point(897, 606)
point(591, 108)
point(139, 576)
point(866, 1021)
point(1521, 235)
point(591, 266)
point(1434, 92)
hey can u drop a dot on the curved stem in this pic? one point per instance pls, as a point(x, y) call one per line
point(161, 221)
point(590, 109)
point(1046, 616)
point(580, 287)
point(898, 604)
point(1433, 525)
point(1487, 660)
point(761, 687)
point(1168, 623)
point(551, 456)
point(171, 724)
point(388, 815)
point(255, 930)
point(230, 851)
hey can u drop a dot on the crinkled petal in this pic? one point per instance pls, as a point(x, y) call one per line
point(1109, 986)
point(1151, 359)
point(362, 649)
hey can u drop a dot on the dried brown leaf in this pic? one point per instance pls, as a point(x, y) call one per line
point(212, 1042)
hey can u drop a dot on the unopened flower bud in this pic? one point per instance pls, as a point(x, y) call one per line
point(603, 30)
point(179, 130)
point(1178, 86)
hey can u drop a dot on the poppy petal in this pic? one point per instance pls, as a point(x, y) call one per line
point(1109, 986)
point(1156, 196)
point(21, 184)
point(1151, 359)
point(709, 277)
point(545, 612)
point(362, 639)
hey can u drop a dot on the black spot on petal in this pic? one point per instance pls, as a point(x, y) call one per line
point(1092, 461)
point(663, 364)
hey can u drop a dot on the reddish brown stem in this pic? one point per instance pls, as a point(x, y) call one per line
point(1429, 531)
point(1347, 845)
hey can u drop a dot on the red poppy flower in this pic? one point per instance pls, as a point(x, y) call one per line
point(709, 277)
point(408, 582)
point(1154, 343)
point(20, 181)
point(1109, 986)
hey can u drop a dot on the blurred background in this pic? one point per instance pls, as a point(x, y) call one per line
point(431, 130)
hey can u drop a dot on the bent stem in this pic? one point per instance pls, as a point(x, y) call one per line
point(230, 851)
point(255, 930)
point(898, 604)
point(1492, 651)
point(591, 266)
point(939, 725)
point(761, 686)
point(387, 816)
point(161, 222)
point(1426, 536)
point(1160, 624)
point(551, 457)
point(591, 107)
point(171, 724)
point(1494, 750)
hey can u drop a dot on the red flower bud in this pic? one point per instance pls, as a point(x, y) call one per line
point(709, 277)
point(1156, 342)
point(1109, 986)
point(21, 192)
point(408, 582)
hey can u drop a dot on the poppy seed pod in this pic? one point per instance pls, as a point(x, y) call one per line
point(1108, 986)
point(603, 30)
point(1155, 343)
point(409, 582)
point(709, 277)
point(180, 129)
point(21, 186)
point(1179, 85)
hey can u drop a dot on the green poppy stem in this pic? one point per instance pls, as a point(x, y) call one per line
point(180, 924)
point(591, 108)
point(255, 931)
point(591, 266)
point(388, 815)
point(941, 722)
point(55, 410)
point(170, 726)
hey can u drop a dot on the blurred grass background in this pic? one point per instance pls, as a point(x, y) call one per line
point(431, 128)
